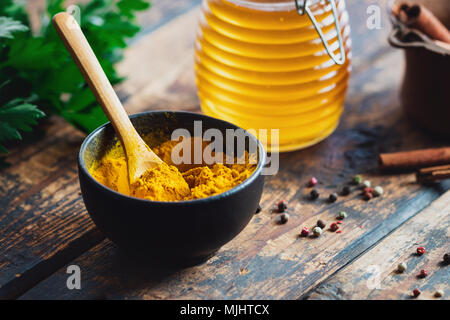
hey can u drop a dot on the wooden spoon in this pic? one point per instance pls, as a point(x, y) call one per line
point(140, 157)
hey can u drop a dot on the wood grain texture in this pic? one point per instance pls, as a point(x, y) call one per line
point(374, 275)
point(41, 209)
point(278, 264)
point(43, 221)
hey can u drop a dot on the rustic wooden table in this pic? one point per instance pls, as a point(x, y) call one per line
point(44, 226)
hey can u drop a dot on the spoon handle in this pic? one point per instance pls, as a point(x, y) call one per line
point(76, 43)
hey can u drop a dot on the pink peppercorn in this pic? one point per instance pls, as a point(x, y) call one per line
point(339, 222)
point(334, 226)
point(421, 251)
point(416, 292)
point(368, 190)
point(423, 273)
point(339, 231)
point(312, 182)
point(305, 232)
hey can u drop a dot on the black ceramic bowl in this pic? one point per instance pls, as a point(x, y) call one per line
point(186, 232)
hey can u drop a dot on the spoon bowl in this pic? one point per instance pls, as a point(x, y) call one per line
point(180, 233)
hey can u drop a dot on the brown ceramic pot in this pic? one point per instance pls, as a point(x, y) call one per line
point(425, 93)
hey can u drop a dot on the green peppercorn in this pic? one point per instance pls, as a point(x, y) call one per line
point(378, 191)
point(357, 179)
point(342, 215)
point(401, 267)
point(317, 231)
point(366, 184)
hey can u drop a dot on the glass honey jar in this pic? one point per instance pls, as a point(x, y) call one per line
point(274, 64)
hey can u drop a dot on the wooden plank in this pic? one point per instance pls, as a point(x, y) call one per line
point(372, 123)
point(41, 211)
point(374, 276)
point(43, 221)
point(155, 62)
point(279, 264)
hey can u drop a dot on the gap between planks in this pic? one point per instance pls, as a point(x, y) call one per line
point(373, 275)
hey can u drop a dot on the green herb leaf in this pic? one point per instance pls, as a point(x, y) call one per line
point(127, 7)
point(33, 53)
point(8, 26)
point(40, 66)
point(16, 116)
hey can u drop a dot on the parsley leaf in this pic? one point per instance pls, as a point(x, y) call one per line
point(36, 64)
point(15, 116)
point(8, 26)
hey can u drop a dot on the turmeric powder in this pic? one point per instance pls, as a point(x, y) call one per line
point(199, 180)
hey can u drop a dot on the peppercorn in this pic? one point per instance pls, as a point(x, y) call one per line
point(282, 206)
point(333, 197)
point(339, 222)
point(401, 267)
point(317, 231)
point(321, 224)
point(339, 231)
point(416, 292)
point(357, 179)
point(312, 182)
point(447, 258)
point(367, 196)
point(421, 251)
point(334, 226)
point(305, 232)
point(314, 194)
point(378, 191)
point(282, 218)
point(366, 184)
point(368, 190)
point(423, 273)
point(345, 191)
point(342, 215)
point(258, 209)
point(439, 293)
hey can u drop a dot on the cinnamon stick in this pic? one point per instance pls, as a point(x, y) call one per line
point(433, 174)
point(414, 159)
point(420, 18)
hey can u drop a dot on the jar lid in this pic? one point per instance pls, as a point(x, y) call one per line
point(303, 6)
point(270, 5)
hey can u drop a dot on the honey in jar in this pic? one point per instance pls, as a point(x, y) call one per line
point(261, 64)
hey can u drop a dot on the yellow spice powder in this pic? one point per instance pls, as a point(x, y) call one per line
point(199, 181)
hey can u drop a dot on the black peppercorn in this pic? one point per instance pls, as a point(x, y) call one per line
point(282, 218)
point(282, 206)
point(447, 258)
point(321, 224)
point(314, 194)
point(258, 209)
point(345, 191)
point(333, 197)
